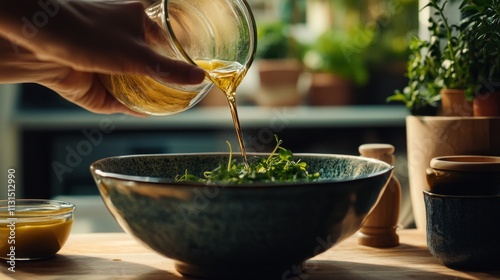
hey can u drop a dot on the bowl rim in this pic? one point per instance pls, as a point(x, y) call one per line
point(470, 163)
point(22, 207)
point(156, 180)
point(468, 196)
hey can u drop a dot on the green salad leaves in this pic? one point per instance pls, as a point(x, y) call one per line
point(279, 166)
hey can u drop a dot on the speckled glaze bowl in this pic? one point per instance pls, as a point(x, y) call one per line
point(244, 231)
point(463, 211)
point(463, 230)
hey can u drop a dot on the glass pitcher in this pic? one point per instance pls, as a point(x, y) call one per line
point(197, 32)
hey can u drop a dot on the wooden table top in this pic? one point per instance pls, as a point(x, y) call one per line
point(119, 256)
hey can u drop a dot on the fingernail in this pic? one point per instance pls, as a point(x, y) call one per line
point(196, 75)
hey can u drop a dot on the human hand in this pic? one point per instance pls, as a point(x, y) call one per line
point(85, 89)
point(85, 38)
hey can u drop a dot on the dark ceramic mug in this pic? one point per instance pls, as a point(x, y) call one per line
point(463, 211)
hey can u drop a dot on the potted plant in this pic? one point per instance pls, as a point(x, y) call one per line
point(421, 95)
point(459, 57)
point(278, 66)
point(338, 64)
point(482, 25)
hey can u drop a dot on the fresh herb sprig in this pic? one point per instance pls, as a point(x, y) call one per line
point(279, 166)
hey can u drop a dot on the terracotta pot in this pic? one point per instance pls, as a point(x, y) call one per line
point(487, 105)
point(329, 89)
point(454, 103)
point(279, 82)
point(429, 137)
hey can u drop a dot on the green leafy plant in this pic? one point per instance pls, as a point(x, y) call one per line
point(433, 64)
point(482, 22)
point(274, 41)
point(457, 56)
point(421, 95)
point(341, 52)
point(279, 166)
point(393, 33)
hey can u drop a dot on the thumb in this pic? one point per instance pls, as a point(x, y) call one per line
point(173, 71)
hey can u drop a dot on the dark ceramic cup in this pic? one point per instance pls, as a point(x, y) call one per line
point(463, 211)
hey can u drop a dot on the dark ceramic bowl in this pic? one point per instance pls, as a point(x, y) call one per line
point(463, 211)
point(463, 230)
point(243, 231)
point(464, 175)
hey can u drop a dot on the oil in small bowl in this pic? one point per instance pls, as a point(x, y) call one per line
point(32, 229)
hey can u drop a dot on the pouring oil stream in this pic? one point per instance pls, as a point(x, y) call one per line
point(227, 75)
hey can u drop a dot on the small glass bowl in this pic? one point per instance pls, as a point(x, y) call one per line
point(32, 229)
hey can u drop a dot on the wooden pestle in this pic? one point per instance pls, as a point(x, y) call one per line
point(379, 229)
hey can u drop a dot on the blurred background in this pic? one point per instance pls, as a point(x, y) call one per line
point(323, 72)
